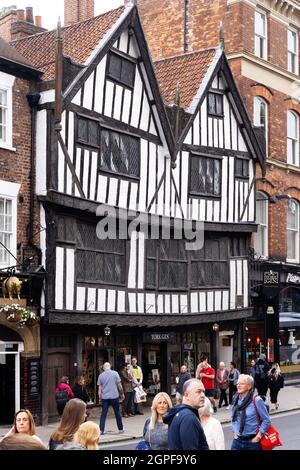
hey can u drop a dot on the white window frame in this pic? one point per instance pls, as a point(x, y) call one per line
point(294, 139)
point(264, 227)
point(265, 37)
point(6, 84)
point(295, 230)
point(258, 100)
point(293, 53)
point(10, 191)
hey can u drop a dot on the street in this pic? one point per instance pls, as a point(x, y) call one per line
point(286, 423)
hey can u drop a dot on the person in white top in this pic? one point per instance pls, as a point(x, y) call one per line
point(212, 427)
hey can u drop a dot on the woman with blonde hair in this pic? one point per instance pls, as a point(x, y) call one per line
point(88, 435)
point(212, 427)
point(155, 431)
point(73, 416)
point(24, 424)
point(275, 383)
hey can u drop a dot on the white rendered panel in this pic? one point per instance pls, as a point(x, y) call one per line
point(196, 130)
point(59, 278)
point(218, 300)
point(94, 175)
point(204, 122)
point(70, 282)
point(133, 196)
point(184, 304)
point(137, 96)
point(102, 184)
point(121, 301)
point(175, 304)
point(225, 305)
point(41, 150)
point(141, 303)
point(126, 105)
point(141, 260)
point(144, 175)
point(239, 275)
point(145, 113)
point(150, 303)
point(194, 302)
point(86, 165)
point(234, 129)
point(210, 301)
point(210, 132)
point(111, 300)
point(160, 304)
point(202, 302)
point(231, 190)
point(251, 201)
point(80, 298)
point(101, 300)
point(167, 303)
point(88, 92)
point(202, 209)
point(132, 302)
point(99, 88)
point(70, 151)
point(209, 211)
point(61, 159)
point(132, 261)
point(118, 101)
point(108, 98)
point(232, 284)
point(227, 127)
point(216, 211)
point(91, 299)
point(113, 187)
point(123, 193)
point(224, 200)
point(245, 278)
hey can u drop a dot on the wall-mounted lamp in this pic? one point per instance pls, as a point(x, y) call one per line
point(215, 327)
point(107, 331)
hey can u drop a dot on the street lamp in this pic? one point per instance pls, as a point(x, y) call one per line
point(215, 327)
point(107, 331)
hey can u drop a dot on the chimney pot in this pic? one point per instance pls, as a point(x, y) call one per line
point(29, 15)
point(38, 21)
point(78, 10)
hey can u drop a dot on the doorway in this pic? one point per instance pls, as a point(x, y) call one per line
point(9, 380)
point(58, 365)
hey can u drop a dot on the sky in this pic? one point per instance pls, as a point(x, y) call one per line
point(50, 10)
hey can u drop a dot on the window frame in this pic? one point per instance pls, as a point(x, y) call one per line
point(257, 102)
point(295, 53)
point(9, 191)
point(193, 193)
point(294, 140)
point(122, 57)
point(6, 85)
point(264, 226)
point(215, 93)
point(238, 175)
point(296, 231)
point(264, 38)
point(111, 172)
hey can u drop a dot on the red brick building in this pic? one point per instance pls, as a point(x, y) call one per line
point(262, 44)
point(20, 257)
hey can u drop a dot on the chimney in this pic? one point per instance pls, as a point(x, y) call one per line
point(78, 10)
point(38, 21)
point(29, 15)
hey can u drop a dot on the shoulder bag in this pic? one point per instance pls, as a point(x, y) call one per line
point(271, 439)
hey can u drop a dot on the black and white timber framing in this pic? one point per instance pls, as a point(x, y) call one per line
point(74, 173)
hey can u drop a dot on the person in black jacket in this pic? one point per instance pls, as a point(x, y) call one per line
point(80, 390)
point(276, 382)
point(185, 431)
point(182, 378)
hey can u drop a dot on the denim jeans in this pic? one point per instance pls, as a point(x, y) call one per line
point(238, 444)
point(116, 407)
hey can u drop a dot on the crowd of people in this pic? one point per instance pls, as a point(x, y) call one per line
point(190, 424)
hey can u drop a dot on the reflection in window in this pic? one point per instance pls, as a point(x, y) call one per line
point(293, 231)
point(261, 236)
point(292, 138)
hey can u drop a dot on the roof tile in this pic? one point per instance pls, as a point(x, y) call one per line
point(187, 70)
point(79, 40)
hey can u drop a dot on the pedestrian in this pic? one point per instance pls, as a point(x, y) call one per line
point(21, 441)
point(23, 424)
point(63, 393)
point(203, 357)
point(276, 382)
point(137, 375)
point(183, 376)
point(207, 375)
point(73, 416)
point(246, 428)
point(185, 430)
point(127, 382)
point(233, 376)
point(261, 375)
point(223, 382)
point(110, 393)
point(88, 435)
point(212, 427)
point(79, 390)
point(252, 369)
point(155, 430)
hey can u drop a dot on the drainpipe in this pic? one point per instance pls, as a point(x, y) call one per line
point(33, 100)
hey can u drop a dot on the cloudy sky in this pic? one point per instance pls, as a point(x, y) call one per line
point(50, 10)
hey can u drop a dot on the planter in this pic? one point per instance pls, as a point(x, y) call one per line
point(13, 316)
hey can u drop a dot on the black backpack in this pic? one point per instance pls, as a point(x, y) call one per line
point(260, 373)
point(61, 396)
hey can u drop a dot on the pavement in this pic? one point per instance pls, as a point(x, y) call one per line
point(289, 400)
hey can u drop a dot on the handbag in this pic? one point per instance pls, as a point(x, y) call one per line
point(271, 439)
point(144, 445)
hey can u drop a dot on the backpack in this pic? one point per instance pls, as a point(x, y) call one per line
point(62, 396)
point(260, 372)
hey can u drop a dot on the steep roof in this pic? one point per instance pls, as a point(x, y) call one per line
point(187, 70)
point(10, 53)
point(40, 48)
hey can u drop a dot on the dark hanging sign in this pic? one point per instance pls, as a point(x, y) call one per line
point(33, 377)
point(271, 277)
point(158, 337)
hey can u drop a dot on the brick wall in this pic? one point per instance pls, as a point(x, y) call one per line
point(5, 26)
point(15, 166)
point(77, 10)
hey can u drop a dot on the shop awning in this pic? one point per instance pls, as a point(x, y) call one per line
point(289, 319)
point(145, 320)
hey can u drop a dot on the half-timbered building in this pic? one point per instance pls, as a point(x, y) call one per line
point(111, 143)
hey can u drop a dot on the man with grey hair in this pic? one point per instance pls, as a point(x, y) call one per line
point(250, 418)
point(110, 392)
point(185, 430)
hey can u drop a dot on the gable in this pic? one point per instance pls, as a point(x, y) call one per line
point(222, 132)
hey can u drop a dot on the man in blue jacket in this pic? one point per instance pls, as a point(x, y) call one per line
point(185, 430)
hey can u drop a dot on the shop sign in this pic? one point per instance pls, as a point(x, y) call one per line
point(293, 278)
point(271, 277)
point(270, 310)
point(158, 337)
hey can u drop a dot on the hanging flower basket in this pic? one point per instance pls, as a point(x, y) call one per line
point(15, 313)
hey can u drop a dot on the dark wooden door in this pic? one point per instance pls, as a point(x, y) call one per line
point(58, 365)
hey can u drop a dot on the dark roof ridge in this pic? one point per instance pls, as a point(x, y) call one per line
point(186, 54)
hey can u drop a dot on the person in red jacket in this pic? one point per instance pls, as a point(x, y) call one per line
point(207, 375)
point(63, 393)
